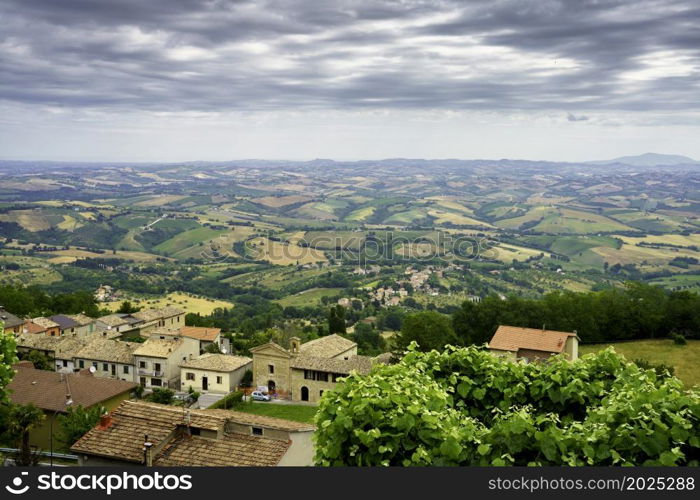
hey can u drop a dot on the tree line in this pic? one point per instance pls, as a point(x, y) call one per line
point(637, 311)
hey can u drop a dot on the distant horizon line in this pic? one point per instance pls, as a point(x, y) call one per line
point(335, 160)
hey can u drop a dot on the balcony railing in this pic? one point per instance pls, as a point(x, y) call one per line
point(151, 373)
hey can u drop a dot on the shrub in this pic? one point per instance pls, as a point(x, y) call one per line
point(661, 369)
point(162, 396)
point(468, 407)
point(247, 379)
point(678, 339)
point(229, 402)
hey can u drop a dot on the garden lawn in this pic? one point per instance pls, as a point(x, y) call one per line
point(297, 413)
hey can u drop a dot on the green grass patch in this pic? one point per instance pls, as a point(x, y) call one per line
point(297, 413)
point(683, 358)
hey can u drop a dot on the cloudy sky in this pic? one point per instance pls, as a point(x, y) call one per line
point(169, 80)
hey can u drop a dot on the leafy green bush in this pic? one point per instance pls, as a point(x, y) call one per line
point(679, 339)
point(467, 407)
point(162, 395)
point(229, 402)
point(76, 422)
point(661, 369)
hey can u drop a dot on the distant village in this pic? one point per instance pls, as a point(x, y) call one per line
point(110, 361)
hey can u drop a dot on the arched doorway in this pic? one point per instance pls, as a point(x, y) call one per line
point(271, 386)
point(304, 393)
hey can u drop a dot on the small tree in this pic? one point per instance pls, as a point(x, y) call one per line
point(40, 360)
point(77, 421)
point(247, 379)
point(22, 419)
point(212, 348)
point(193, 395)
point(127, 307)
point(163, 396)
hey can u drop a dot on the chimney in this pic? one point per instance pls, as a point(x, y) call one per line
point(105, 421)
point(147, 453)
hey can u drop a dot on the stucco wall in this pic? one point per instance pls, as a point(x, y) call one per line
point(229, 380)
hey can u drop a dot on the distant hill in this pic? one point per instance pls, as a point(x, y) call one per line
point(649, 160)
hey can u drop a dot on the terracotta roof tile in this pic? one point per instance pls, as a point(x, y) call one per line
point(231, 451)
point(10, 319)
point(217, 362)
point(327, 347)
point(113, 351)
point(165, 426)
point(200, 333)
point(47, 390)
point(512, 338)
point(161, 313)
point(46, 322)
point(158, 348)
point(360, 364)
point(240, 417)
point(65, 347)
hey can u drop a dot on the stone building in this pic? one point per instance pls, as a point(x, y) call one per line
point(305, 371)
point(217, 373)
point(533, 344)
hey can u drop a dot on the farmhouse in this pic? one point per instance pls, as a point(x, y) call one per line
point(61, 349)
point(55, 392)
point(218, 373)
point(149, 434)
point(158, 360)
point(77, 324)
point(49, 327)
point(305, 371)
point(108, 358)
point(118, 322)
point(205, 336)
point(170, 317)
point(532, 344)
point(13, 324)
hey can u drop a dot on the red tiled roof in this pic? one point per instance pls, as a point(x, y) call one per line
point(512, 338)
point(200, 333)
point(48, 390)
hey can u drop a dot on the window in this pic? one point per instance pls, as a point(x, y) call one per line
point(189, 376)
point(156, 382)
point(257, 431)
point(105, 367)
point(81, 363)
point(65, 363)
point(94, 365)
point(322, 376)
point(219, 380)
point(126, 369)
point(142, 364)
point(320, 393)
point(271, 368)
point(156, 367)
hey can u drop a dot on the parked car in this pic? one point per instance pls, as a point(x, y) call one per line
point(259, 396)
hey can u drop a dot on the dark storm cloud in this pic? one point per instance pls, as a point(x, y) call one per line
point(220, 55)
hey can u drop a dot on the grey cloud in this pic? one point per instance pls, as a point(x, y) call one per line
point(573, 118)
point(182, 55)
